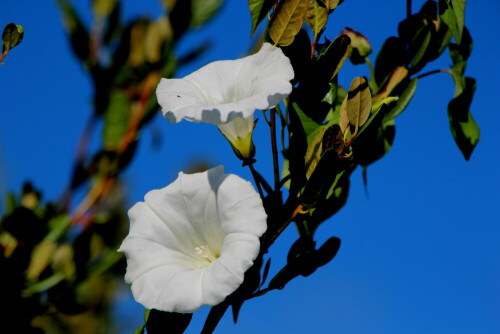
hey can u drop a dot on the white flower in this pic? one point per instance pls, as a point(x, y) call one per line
point(191, 242)
point(223, 90)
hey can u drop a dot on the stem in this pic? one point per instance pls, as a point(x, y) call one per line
point(256, 179)
point(370, 66)
point(259, 293)
point(433, 72)
point(2, 56)
point(408, 8)
point(275, 150)
point(269, 240)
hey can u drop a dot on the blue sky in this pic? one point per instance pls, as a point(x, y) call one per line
point(420, 254)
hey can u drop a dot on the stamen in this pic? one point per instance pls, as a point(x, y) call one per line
point(205, 252)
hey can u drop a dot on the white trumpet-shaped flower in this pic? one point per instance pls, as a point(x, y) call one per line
point(191, 242)
point(223, 90)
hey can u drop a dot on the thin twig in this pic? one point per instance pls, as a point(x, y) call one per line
point(268, 241)
point(408, 8)
point(433, 72)
point(275, 150)
point(256, 179)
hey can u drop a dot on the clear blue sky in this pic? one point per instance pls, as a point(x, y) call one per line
point(420, 255)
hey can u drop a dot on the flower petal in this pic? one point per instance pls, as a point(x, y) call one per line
point(243, 213)
point(170, 288)
point(223, 90)
point(191, 242)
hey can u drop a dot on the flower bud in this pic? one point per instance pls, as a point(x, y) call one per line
point(361, 47)
point(238, 133)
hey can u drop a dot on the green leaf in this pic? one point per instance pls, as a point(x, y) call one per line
point(316, 18)
point(460, 53)
point(464, 129)
point(459, 10)
point(258, 11)
point(404, 99)
point(332, 59)
point(58, 226)
point(330, 5)
point(391, 55)
point(203, 11)
point(308, 124)
point(116, 120)
point(103, 7)
point(265, 272)
point(358, 102)
point(140, 329)
point(418, 49)
point(10, 203)
point(216, 313)
point(287, 20)
point(12, 35)
point(327, 251)
point(452, 12)
point(43, 285)
point(79, 36)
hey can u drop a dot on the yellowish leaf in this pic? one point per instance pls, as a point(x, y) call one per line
point(287, 20)
point(316, 18)
point(314, 151)
point(396, 76)
point(40, 259)
point(359, 103)
point(343, 120)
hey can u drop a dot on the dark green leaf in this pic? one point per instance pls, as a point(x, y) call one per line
point(418, 49)
point(112, 27)
point(299, 53)
point(464, 129)
point(25, 226)
point(266, 271)
point(327, 251)
point(331, 60)
point(375, 141)
point(180, 17)
point(216, 313)
point(258, 11)
point(391, 55)
point(460, 53)
point(284, 276)
point(79, 35)
point(330, 204)
point(166, 322)
point(12, 35)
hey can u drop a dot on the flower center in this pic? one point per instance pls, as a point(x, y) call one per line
point(204, 251)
